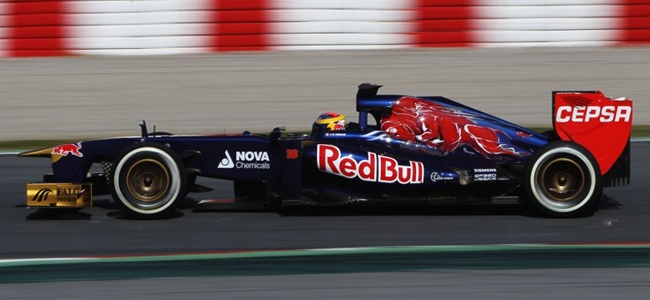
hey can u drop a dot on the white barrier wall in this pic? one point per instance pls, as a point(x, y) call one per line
point(513, 23)
point(361, 24)
point(148, 27)
point(139, 27)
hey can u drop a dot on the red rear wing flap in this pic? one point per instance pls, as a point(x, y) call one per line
point(600, 124)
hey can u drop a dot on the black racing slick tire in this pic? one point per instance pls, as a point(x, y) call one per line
point(148, 180)
point(563, 180)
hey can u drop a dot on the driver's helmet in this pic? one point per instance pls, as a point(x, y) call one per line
point(329, 121)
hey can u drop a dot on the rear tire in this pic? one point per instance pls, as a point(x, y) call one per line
point(148, 181)
point(563, 180)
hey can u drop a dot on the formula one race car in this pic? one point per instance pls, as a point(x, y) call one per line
point(403, 149)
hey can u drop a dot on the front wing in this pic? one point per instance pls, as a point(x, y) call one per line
point(73, 195)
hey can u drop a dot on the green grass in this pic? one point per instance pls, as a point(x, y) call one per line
point(641, 131)
point(637, 131)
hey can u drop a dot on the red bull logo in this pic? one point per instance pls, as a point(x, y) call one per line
point(377, 168)
point(66, 149)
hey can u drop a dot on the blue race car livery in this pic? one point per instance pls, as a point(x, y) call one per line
point(403, 149)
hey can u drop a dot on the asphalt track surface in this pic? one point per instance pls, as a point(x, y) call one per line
point(376, 257)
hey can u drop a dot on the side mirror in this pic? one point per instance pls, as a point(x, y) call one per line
point(276, 133)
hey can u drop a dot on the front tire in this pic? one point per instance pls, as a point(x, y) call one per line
point(563, 180)
point(148, 181)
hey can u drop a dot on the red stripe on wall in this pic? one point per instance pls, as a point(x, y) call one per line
point(635, 22)
point(240, 25)
point(444, 23)
point(36, 28)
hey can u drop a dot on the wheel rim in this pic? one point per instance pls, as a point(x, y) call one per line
point(148, 180)
point(562, 180)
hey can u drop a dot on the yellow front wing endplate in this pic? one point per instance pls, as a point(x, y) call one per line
point(59, 194)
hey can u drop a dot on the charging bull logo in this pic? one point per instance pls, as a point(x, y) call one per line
point(445, 129)
point(66, 149)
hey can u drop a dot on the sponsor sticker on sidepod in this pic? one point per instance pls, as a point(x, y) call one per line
point(485, 174)
point(246, 160)
point(438, 177)
point(376, 168)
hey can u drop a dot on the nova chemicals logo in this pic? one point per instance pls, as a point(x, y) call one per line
point(42, 195)
point(246, 160)
point(226, 162)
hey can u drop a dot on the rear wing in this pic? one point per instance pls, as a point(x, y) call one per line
point(600, 124)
